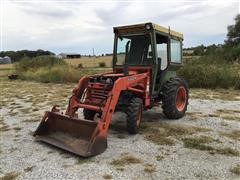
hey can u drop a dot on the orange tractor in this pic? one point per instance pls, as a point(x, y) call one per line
point(145, 60)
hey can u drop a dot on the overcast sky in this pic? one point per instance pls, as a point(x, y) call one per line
point(75, 26)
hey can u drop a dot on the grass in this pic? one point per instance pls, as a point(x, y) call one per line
point(236, 169)
point(222, 94)
point(198, 143)
point(201, 143)
point(149, 168)
point(48, 69)
point(107, 176)
point(58, 74)
point(4, 128)
point(231, 117)
point(10, 176)
point(17, 128)
point(210, 72)
point(125, 160)
point(29, 169)
point(90, 62)
point(194, 115)
point(235, 134)
point(159, 157)
point(83, 160)
point(163, 133)
point(228, 114)
point(228, 111)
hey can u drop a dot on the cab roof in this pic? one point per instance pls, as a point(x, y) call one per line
point(142, 26)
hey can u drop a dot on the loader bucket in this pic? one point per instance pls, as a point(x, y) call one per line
point(74, 135)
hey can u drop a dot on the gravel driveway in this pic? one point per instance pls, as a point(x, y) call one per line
point(205, 144)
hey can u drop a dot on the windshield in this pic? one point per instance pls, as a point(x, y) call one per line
point(139, 50)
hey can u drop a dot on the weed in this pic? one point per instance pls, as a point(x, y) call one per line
point(10, 176)
point(226, 151)
point(159, 157)
point(235, 134)
point(120, 168)
point(213, 115)
point(28, 169)
point(107, 176)
point(149, 168)
point(35, 109)
point(17, 128)
point(194, 115)
point(199, 143)
point(236, 169)
point(161, 133)
point(83, 160)
point(102, 64)
point(125, 160)
point(228, 111)
point(4, 128)
point(232, 118)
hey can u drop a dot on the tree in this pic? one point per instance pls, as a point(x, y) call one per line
point(199, 50)
point(233, 35)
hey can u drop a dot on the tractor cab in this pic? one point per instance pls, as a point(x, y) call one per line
point(148, 46)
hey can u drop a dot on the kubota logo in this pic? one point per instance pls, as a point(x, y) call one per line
point(132, 78)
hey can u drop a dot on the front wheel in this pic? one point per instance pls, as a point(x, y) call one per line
point(175, 98)
point(134, 115)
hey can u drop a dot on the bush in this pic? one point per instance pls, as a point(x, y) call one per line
point(208, 72)
point(50, 69)
point(55, 74)
point(80, 65)
point(34, 63)
point(102, 64)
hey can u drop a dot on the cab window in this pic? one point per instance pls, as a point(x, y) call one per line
point(175, 51)
point(162, 50)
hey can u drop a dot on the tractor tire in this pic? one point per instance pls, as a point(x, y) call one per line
point(175, 98)
point(134, 115)
point(88, 114)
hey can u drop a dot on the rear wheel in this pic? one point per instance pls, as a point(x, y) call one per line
point(175, 98)
point(88, 114)
point(134, 115)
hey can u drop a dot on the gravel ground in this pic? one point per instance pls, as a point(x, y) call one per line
point(23, 104)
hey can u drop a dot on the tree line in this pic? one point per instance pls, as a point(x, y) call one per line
point(18, 55)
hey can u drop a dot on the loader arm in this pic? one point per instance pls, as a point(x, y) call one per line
point(85, 137)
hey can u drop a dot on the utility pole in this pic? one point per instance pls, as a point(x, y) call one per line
point(93, 51)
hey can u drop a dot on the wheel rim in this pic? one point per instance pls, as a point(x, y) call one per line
point(181, 98)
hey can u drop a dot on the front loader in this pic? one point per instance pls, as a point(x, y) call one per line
point(145, 59)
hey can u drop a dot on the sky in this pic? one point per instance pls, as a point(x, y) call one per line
point(73, 26)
